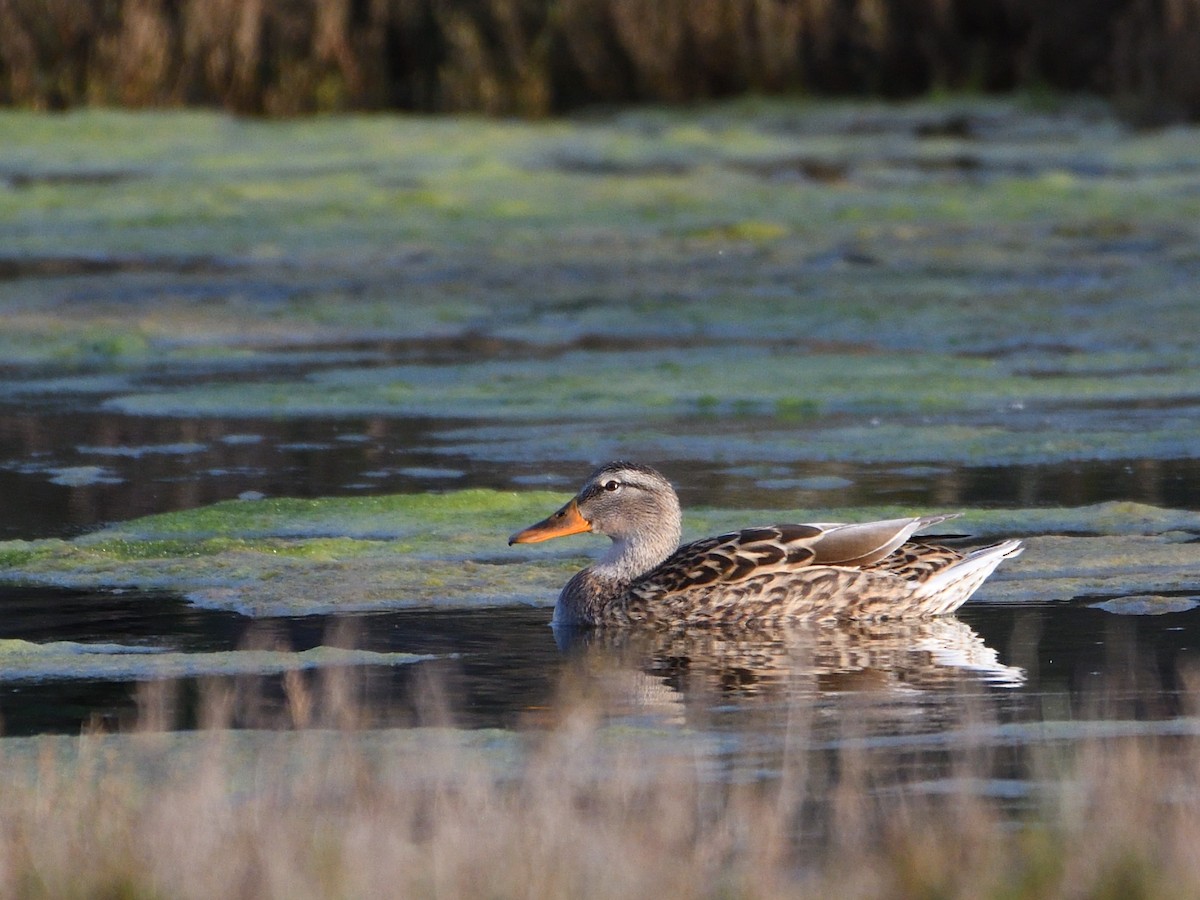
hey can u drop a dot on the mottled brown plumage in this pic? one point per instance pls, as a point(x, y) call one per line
point(757, 576)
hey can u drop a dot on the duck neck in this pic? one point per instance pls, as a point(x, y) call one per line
point(643, 541)
point(598, 593)
point(633, 555)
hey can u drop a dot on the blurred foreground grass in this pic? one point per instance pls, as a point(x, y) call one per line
point(582, 809)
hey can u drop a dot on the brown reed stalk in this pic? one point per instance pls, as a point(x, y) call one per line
point(533, 57)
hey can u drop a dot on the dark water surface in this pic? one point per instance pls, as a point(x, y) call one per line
point(507, 668)
point(64, 471)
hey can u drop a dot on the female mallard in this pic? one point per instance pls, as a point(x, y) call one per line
point(760, 576)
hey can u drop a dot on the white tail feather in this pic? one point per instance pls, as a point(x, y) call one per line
point(953, 586)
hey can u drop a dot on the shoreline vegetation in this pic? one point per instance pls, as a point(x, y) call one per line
point(541, 57)
point(338, 809)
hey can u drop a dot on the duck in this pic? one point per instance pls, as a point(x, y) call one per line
point(763, 576)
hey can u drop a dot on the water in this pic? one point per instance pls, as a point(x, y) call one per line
point(504, 668)
point(69, 468)
point(495, 664)
point(68, 465)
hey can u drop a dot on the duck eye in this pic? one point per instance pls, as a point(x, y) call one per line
point(611, 485)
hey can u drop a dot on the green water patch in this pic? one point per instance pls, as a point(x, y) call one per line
point(438, 524)
point(719, 381)
point(749, 401)
point(753, 441)
point(57, 660)
point(296, 557)
point(285, 557)
point(761, 219)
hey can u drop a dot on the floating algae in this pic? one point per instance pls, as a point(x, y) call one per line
point(289, 557)
point(26, 661)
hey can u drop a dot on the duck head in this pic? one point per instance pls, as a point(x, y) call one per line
point(628, 502)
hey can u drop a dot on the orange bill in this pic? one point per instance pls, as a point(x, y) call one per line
point(566, 521)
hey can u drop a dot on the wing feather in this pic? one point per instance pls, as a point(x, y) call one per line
point(731, 558)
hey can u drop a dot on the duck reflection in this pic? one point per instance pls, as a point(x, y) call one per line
point(648, 667)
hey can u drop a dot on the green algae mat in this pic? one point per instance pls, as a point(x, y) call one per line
point(29, 661)
point(296, 557)
point(978, 282)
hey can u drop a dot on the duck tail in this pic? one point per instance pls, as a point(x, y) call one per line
point(953, 586)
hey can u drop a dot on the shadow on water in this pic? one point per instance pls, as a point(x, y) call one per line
point(503, 668)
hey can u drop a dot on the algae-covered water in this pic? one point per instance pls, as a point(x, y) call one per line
point(273, 394)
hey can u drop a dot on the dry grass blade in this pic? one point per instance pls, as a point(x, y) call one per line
point(579, 810)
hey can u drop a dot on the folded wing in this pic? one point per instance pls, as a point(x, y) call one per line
point(736, 557)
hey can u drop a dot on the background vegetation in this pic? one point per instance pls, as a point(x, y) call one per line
point(536, 57)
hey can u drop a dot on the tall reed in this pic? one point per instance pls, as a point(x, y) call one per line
point(534, 57)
